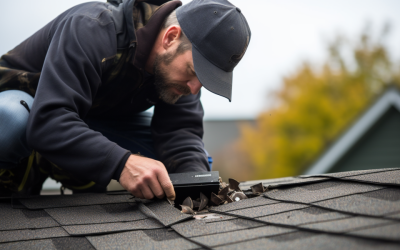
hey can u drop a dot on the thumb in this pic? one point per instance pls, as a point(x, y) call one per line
point(166, 185)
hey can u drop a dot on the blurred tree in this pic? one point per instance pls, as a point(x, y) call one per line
point(314, 106)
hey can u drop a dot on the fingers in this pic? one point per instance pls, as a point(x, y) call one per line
point(137, 193)
point(156, 188)
point(166, 184)
point(146, 191)
point(146, 178)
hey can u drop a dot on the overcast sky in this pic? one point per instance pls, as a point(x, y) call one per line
point(284, 33)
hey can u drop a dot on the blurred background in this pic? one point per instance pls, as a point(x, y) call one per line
point(311, 71)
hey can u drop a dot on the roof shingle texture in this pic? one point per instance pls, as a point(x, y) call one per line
point(350, 210)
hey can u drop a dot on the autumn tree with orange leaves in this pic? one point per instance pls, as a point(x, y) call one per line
point(315, 105)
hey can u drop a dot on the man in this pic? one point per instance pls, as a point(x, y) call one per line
point(92, 72)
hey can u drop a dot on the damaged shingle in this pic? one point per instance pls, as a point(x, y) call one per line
point(163, 212)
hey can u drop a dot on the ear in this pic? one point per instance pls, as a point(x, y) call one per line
point(171, 36)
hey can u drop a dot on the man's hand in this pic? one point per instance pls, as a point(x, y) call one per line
point(145, 178)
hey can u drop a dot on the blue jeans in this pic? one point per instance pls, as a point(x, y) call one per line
point(13, 119)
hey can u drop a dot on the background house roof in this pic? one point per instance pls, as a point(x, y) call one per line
point(389, 99)
point(357, 210)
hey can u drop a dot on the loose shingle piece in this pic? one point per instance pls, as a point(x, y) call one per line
point(96, 214)
point(154, 239)
point(54, 201)
point(163, 212)
point(11, 219)
point(320, 191)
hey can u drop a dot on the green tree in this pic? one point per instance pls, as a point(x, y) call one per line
point(314, 106)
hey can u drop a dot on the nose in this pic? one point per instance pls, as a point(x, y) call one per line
point(194, 86)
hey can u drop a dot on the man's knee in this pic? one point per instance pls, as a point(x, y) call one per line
point(14, 117)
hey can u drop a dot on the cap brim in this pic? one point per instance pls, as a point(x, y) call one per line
point(211, 77)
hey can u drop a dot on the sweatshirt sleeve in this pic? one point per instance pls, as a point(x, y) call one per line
point(70, 78)
point(178, 131)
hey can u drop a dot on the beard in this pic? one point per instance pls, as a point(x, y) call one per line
point(164, 85)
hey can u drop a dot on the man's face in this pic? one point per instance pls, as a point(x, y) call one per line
point(175, 76)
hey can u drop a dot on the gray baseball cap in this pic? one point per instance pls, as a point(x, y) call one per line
point(219, 34)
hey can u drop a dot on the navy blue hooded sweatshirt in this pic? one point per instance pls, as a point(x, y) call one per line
point(88, 62)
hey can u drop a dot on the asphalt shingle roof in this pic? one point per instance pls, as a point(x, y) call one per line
point(358, 209)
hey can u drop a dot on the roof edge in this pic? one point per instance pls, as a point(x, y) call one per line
point(390, 98)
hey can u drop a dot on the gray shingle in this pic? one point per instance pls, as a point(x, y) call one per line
point(64, 243)
point(390, 177)
point(283, 182)
point(96, 214)
point(394, 216)
point(378, 202)
point(31, 245)
point(31, 234)
point(351, 173)
point(163, 212)
point(297, 181)
point(54, 201)
point(346, 224)
point(246, 203)
point(23, 218)
point(391, 232)
point(266, 210)
point(218, 217)
point(200, 228)
point(241, 235)
point(112, 227)
point(246, 184)
point(303, 216)
point(302, 240)
point(113, 216)
point(72, 243)
point(320, 191)
point(154, 239)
